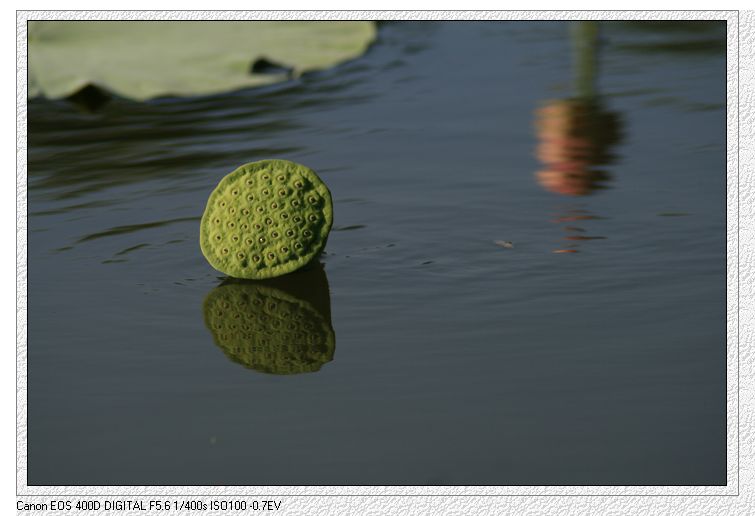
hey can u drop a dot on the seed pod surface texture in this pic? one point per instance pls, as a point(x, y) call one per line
point(266, 219)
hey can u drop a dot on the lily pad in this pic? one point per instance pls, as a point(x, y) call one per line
point(147, 59)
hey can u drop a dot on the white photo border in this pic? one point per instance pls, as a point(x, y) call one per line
point(524, 497)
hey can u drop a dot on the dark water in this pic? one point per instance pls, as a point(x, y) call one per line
point(588, 350)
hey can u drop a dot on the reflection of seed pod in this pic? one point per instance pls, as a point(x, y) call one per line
point(240, 205)
point(278, 327)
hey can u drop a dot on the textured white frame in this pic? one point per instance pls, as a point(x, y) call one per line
point(734, 498)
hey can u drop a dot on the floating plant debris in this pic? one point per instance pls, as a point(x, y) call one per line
point(266, 219)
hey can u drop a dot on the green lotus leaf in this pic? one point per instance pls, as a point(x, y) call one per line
point(146, 59)
point(266, 219)
point(276, 326)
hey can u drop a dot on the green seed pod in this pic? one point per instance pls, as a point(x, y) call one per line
point(283, 208)
point(272, 326)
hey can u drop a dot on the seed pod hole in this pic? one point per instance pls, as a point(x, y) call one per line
point(262, 240)
point(313, 218)
point(274, 205)
point(275, 234)
point(235, 192)
point(284, 215)
point(257, 227)
point(281, 178)
point(290, 233)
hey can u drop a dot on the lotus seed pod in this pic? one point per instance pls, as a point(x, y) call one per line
point(269, 329)
point(266, 219)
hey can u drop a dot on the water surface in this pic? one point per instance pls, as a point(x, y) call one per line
point(510, 303)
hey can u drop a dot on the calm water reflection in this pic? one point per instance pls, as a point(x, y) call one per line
point(577, 136)
point(277, 326)
point(459, 361)
point(576, 139)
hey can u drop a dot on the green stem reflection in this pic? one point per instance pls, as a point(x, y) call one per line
point(585, 36)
